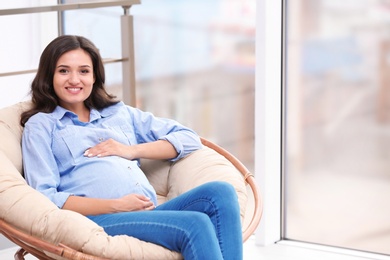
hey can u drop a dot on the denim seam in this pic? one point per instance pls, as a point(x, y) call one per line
point(217, 216)
point(157, 224)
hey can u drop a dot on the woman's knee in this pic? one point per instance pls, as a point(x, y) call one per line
point(221, 189)
point(198, 224)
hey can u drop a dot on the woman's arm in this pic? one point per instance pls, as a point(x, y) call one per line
point(90, 206)
point(159, 150)
point(148, 128)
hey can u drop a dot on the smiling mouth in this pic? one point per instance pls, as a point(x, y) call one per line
point(73, 89)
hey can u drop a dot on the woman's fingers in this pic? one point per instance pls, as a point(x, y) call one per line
point(108, 148)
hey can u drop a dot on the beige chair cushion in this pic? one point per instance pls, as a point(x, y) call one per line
point(203, 166)
point(11, 133)
point(32, 212)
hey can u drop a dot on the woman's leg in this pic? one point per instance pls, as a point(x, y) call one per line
point(190, 233)
point(209, 214)
point(219, 201)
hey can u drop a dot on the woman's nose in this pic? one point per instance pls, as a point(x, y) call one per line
point(73, 79)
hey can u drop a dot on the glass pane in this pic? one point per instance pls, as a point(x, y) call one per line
point(194, 63)
point(23, 37)
point(337, 123)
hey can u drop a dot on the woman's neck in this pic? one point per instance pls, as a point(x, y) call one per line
point(84, 115)
point(81, 111)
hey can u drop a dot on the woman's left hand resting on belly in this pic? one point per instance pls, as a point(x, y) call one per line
point(158, 150)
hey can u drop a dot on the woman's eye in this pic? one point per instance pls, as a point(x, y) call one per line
point(84, 71)
point(63, 71)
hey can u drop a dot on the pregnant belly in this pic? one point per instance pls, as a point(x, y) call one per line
point(107, 178)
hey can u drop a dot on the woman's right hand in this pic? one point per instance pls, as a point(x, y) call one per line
point(133, 202)
point(92, 206)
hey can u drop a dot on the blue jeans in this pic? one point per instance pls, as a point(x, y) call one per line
point(203, 223)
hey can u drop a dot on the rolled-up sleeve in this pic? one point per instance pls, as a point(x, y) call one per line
point(149, 128)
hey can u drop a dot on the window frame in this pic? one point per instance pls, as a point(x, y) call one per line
point(269, 133)
point(268, 120)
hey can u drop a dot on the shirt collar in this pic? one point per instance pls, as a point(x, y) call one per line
point(60, 112)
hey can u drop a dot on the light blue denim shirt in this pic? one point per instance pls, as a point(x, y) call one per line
point(53, 146)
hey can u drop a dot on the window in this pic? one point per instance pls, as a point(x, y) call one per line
point(336, 123)
point(23, 39)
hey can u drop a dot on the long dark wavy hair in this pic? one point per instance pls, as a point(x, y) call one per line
point(43, 97)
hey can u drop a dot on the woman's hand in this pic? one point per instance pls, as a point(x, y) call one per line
point(92, 206)
point(133, 202)
point(158, 150)
point(110, 147)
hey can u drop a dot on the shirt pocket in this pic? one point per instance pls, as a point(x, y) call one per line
point(69, 147)
point(128, 132)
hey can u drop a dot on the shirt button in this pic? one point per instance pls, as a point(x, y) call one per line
point(137, 184)
point(128, 167)
point(101, 139)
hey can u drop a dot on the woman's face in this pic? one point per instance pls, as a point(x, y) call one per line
point(73, 78)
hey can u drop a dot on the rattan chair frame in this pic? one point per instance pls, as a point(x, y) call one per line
point(37, 247)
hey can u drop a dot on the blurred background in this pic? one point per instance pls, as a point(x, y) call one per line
point(194, 60)
point(337, 123)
